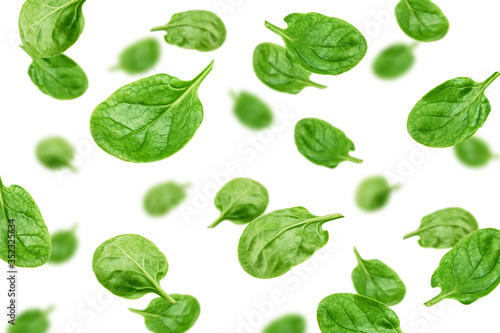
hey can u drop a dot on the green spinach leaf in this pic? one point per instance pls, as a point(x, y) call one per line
point(31, 321)
point(470, 270)
point(140, 56)
point(373, 193)
point(292, 323)
point(474, 152)
point(323, 144)
point(321, 44)
point(150, 119)
point(240, 201)
point(273, 68)
point(276, 242)
point(21, 222)
point(164, 197)
point(196, 30)
point(394, 61)
point(251, 111)
point(163, 317)
point(50, 27)
point(450, 113)
point(374, 279)
point(64, 245)
point(55, 153)
point(422, 20)
point(131, 266)
point(444, 228)
point(348, 313)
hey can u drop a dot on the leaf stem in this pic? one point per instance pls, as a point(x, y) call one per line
point(49, 310)
point(274, 28)
point(435, 300)
point(353, 159)
point(160, 27)
point(166, 296)
point(411, 234)
point(216, 222)
point(317, 85)
point(490, 80)
point(358, 256)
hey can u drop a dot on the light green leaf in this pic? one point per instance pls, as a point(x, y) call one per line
point(422, 20)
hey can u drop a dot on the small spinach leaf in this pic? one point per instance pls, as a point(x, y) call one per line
point(64, 245)
point(131, 266)
point(321, 44)
point(50, 27)
point(140, 56)
point(31, 321)
point(19, 215)
point(240, 201)
point(196, 30)
point(163, 317)
point(323, 144)
point(444, 228)
point(55, 153)
point(422, 20)
point(164, 197)
point(292, 323)
point(251, 111)
point(470, 270)
point(348, 313)
point(150, 119)
point(474, 152)
point(276, 242)
point(273, 68)
point(450, 113)
point(394, 61)
point(373, 193)
point(374, 279)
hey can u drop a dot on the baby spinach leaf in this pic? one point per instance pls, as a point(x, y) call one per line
point(55, 153)
point(31, 321)
point(140, 56)
point(59, 77)
point(394, 61)
point(422, 20)
point(163, 317)
point(348, 313)
point(150, 119)
point(196, 30)
point(273, 68)
point(164, 197)
point(321, 44)
point(474, 152)
point(31, 236)
point(251, 111)
point(64, 245)
point(50, 27)
point(292, 323)
point(240, 201)
point(444, 228)
point(276, 242)
point(450, 113)
point(470, 270)
point(131, 266)
point(374, 279)
point(323, 144)
point(373, 193)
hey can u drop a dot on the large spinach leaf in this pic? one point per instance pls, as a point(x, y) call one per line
point(164, 197)
point(394, 61)
point(422, 20)
point(31, 321)
point(474, 152)
point(251, 111)
point(373, 193)
point(64, 245)
point(292, 323)
point(140, 56)
point(450, 113)
point(276, 242)
point(150, 119)
point(55, 153)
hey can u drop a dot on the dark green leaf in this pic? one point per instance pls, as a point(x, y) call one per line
point(394, 61)
point(450, 113)
point(31, 321)
point(373, 193)
point(64, 245)
point(162, 198)
point(55, 153)
point(323, 144)
point(292, 323)
point(276, 242)
point(422, 20)
point(474, 152)
point(251, 111)
point(470, 270)
point(140, 56)
point(321, 44)
point(150, 119)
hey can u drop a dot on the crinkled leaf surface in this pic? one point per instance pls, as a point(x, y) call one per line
point(422, 20)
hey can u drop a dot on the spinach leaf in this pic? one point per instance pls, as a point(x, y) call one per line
point(470, 270)
point(59, 77)
point(50, 27)
point(292, 323)
point(164, 197)
point(240, 201)
point(321, 44)
point(195, 30)
point(373, 193)
point(251, 111)
point(64, 245)
point(150, 119)
point(131, 266)
point(31, 321)
point(273, 68)
point(140, 56)
point(450, 113)
point(474, 152)
point(347, 313)
point(163, 317)
point(444, 228)
point(55, 153)
point(374, 279)
point(394, 61)
point(276, 242)
point(31, 236)
point(323, 144)
point(422, 20)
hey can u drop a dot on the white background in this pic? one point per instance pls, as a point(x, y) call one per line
point(105, 196)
